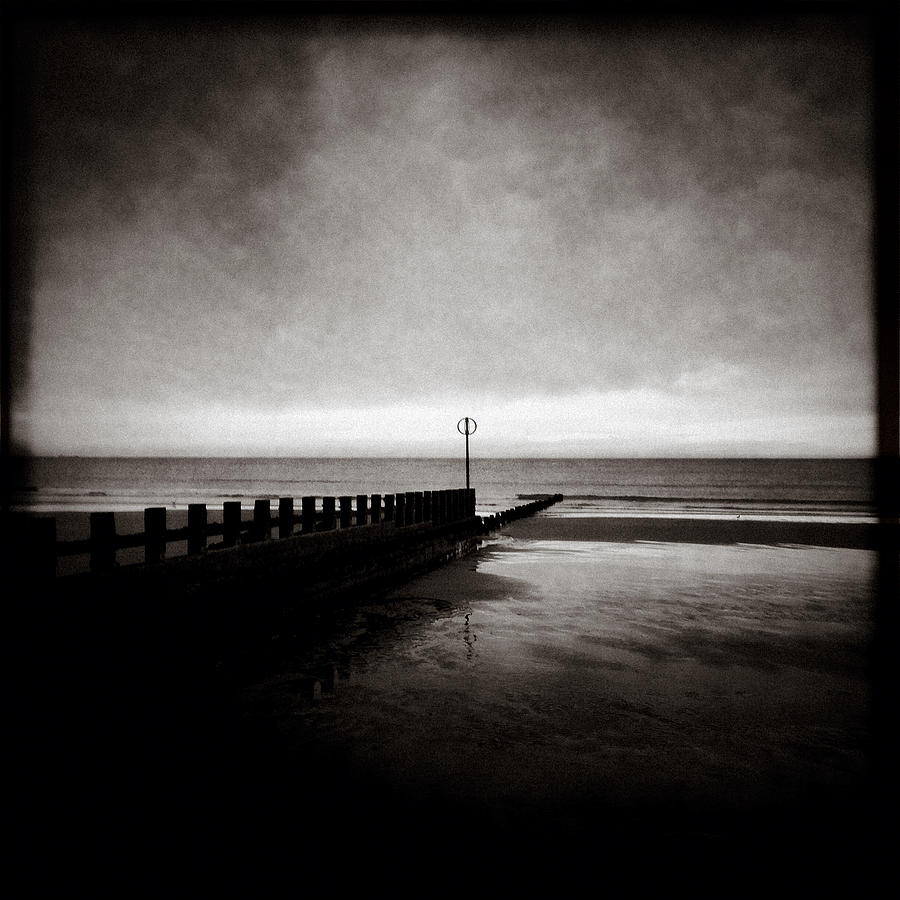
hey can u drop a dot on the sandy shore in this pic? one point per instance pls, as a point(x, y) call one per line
point(696, 530)
point(565, 704)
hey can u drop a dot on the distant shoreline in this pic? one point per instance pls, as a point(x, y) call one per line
point(626, 529)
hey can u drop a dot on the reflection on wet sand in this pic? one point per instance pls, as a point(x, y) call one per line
point(584, 689)
point(469, 637)
point(373, 630)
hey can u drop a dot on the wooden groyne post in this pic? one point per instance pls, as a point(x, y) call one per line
point(308, 515)
point(285, 517)
point(231, 511)
point(262, 524)
point(103, 541)
point(376, 509)
point(31, 546)
point(196, 528)
point(154, 534)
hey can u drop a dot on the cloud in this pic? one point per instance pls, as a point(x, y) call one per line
point(319, 219)
point(617, 423)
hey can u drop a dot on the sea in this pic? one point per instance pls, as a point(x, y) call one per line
point(817, 489)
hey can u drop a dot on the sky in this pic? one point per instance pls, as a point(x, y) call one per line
point(308, 237)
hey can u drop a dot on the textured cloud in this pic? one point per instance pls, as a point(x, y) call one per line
point(309, 219)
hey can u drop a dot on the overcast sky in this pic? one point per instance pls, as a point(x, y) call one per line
point(302, 238)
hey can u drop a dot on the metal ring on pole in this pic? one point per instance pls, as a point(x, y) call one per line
point(465, 429)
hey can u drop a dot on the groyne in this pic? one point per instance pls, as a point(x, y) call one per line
point(244, 576)
point(346, 520)
point(241, 584)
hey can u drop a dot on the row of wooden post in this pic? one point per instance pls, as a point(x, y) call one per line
point(410, 508)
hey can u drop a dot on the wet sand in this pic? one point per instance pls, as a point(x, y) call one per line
point(700, 530)
point(641, 714)
point(545, 711)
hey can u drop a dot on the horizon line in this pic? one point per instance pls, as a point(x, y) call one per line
point(633, 456)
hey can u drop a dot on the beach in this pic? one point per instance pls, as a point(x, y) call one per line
point(556, 704)
point(573, 694)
